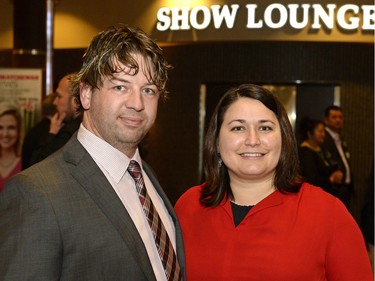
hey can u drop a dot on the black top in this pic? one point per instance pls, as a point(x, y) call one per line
point(34, 137)
point(316, 167)
point(239, 212)
point(53, 142)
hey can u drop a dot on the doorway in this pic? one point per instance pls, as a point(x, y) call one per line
point(299, 100)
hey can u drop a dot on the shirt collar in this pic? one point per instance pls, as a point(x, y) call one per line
point(333, 134)
point(109, 158)
point(274, 199)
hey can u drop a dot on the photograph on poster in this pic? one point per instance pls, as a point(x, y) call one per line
point(20, 109)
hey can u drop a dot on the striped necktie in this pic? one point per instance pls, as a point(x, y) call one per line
point(163, 243)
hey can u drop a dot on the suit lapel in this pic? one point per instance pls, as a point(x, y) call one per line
point(91, 178)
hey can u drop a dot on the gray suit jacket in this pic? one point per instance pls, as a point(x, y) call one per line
point(61, 220)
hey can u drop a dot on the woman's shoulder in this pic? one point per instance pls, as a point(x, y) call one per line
point(313, 204)
point(305, 150)
point(315, 191)
point(319, 198)
point(190, 197)
point(193, 192)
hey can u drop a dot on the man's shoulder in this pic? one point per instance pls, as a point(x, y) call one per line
point(59, 164)
point(328, 141)
point(328, 136)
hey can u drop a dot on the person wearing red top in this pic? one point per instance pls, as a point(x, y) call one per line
point(254, 218)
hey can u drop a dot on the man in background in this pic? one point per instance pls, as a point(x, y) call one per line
point(39, 131)
point(63, 124)
point(337, 147)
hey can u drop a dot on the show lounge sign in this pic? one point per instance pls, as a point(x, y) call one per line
point(346, 17)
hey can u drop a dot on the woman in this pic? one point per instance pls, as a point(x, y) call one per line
point(10, 141)
point(316, 164)
point(254, 219)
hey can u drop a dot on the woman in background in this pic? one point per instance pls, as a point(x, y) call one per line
point(254, 219)
point(10, 141)
point(316, 164)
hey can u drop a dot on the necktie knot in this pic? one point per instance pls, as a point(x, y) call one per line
point(134, 169)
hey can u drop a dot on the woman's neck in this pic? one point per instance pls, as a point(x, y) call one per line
point(8, 152)
point(247, 193)
point(8, 160)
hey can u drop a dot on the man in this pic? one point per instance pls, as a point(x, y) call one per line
point(63, 124)
point(77, 215)
point(334, 120)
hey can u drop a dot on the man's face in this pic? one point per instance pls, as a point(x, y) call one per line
point(335, 120)
point(123, 110)
point(64, 101)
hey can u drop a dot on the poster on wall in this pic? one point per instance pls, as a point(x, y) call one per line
point(20, 109)
point(23, 88)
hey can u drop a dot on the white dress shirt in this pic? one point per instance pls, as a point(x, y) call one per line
point(114, 165)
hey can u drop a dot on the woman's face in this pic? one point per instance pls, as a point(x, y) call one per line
point(8, 130)
point(319, 134)
point(250, 140)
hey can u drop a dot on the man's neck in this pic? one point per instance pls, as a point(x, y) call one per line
point(333, 131)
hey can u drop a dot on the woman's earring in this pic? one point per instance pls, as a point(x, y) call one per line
point(220, 161)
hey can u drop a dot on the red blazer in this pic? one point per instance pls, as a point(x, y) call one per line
point(307, 236)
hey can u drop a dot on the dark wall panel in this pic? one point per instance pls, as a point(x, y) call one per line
point(172, 145)
point(348, 65)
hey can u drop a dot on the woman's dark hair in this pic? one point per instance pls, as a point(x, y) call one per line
point(287, 177)
point(308, 126)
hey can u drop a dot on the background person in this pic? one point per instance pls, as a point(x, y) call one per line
point(78, 212)
point(253, 219)
point(316, 163)
point(337, 147)
point(63, 124)
point(10, 141)
point(39, 132)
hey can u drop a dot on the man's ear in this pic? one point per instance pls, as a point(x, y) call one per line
point(85, 96)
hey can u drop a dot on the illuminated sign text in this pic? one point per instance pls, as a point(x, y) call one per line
point(298, 16)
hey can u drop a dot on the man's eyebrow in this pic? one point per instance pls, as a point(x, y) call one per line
point(113, 79)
